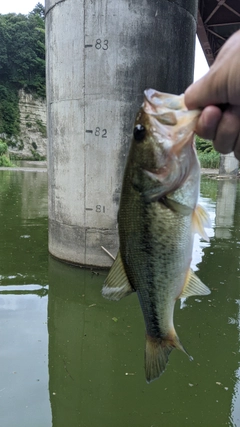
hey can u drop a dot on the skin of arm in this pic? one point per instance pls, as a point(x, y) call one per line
point(221, 85)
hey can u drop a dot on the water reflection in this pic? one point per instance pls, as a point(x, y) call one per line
point(227, 191)
point(235, 410)
point(40, 291)
point(199, 244)
point(23, 212)
point(225, 249)
point(96, 348)
point(24, 400)
point(91, 370)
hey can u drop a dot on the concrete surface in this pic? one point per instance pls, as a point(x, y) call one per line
point(99, 61)
point(229, 165)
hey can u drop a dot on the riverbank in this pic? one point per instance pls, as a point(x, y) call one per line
point(208, 171)
point(41, 166)
point(28, 166)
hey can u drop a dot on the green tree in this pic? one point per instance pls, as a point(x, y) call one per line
point(4, 159)
point(22, 62)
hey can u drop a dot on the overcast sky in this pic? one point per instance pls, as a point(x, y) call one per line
point(25, 6)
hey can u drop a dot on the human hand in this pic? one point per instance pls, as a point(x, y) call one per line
point(221, 85)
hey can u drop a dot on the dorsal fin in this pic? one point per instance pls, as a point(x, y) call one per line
point(193, 286)
point(116, 285)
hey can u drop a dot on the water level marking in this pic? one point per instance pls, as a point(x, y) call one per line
point(100, 132)
point(101, 44)
point(100, 209)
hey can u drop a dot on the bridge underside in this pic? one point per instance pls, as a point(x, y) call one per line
point(217, 21)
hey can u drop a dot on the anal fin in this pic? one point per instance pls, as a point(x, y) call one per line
point(193, 286)
point(116, 285)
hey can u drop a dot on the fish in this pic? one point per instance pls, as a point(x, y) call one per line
point(157, 219)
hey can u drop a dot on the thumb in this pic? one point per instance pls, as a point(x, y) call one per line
point(209, 90)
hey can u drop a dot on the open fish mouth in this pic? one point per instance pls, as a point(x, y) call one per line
point(160, 100)
point(170, 118)
point(169, 109)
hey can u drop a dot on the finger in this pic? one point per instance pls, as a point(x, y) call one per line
point(205, 91)
point(228, 131)
point(208, 122)
point(192, 94)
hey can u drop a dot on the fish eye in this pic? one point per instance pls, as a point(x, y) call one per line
point(139, 132)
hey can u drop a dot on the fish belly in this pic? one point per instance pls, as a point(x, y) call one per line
point(156, 246)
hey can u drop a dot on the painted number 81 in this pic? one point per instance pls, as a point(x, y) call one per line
point(100, 208)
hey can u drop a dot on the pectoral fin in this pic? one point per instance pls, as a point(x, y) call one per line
point(175, 206)
point(154, 194)
point(193, 286)
point(200, 220)
point(116, 285)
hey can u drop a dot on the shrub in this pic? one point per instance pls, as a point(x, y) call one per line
point(209, 159)
point(5, 161)
point(3, 147)
point(41, 127)
point(204, 145)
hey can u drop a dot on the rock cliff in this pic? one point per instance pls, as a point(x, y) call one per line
point(31, 143)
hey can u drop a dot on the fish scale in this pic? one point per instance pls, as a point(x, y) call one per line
point(158, 216)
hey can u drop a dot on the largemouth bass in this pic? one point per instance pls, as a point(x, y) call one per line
point(158, 216)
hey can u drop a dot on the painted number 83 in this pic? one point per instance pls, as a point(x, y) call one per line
point(101, 44)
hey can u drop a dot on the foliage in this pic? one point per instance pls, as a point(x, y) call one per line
point(9, 111)
point(22, 62)
point(204, 145)
point(3, 147)
point(34, 145)
point(209, 159)
point(4, 159)
point(37, 156)
point(41, 127)
point(22, 50)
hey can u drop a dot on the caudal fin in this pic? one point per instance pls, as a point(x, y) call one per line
point(157, 354)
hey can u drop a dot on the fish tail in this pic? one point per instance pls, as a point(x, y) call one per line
point(157, 354)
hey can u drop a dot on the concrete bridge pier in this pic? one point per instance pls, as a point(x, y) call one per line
point(101, 55)
point(229, 165)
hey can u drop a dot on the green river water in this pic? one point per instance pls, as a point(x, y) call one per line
point(69, 358)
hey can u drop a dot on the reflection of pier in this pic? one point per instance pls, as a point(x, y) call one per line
point(219, 270)
point(227, 190)
point(38, 290)
point(236, 395)
point(34, 200)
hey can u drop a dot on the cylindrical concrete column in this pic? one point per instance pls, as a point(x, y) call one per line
point(101, 55)
point(229, 165)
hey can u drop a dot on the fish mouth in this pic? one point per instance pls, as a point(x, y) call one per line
point(169, 115)
point(159, 101)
